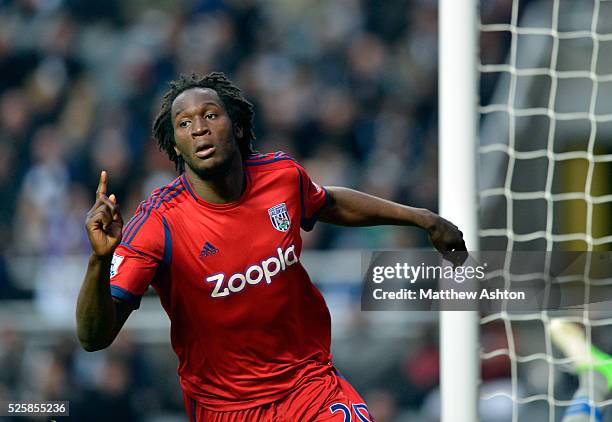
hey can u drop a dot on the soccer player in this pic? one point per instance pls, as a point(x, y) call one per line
point(221, 246)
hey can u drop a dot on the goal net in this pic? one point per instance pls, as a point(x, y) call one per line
point(545, 176)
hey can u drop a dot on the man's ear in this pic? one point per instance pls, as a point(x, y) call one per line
point(238, 131)
point(176, 151)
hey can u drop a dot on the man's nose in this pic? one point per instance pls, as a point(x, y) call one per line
point(200, 127)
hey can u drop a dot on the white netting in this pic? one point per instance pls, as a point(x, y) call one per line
point(545, 170)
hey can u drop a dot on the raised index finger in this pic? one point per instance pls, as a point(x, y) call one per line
point(102, 185)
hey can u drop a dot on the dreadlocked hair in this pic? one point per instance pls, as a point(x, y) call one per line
point(240, 112)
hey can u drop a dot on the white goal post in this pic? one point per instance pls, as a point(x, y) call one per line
point(458, 100)
point(541, 139)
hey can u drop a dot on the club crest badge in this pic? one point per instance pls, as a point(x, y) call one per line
point(279, 216)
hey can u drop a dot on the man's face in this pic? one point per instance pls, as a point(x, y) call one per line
point(203, 132)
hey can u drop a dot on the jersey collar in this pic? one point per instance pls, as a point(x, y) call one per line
point(227, 206)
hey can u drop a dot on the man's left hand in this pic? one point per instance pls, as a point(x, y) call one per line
point(447, 239)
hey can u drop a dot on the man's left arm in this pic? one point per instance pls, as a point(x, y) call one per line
point(348, 207)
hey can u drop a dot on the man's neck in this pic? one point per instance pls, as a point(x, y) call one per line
point(223, 189)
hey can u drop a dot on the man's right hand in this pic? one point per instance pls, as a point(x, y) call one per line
point(104, 223)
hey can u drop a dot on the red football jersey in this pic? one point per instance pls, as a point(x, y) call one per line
point(247, 323)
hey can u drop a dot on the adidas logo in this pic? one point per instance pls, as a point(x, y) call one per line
point(208, 250)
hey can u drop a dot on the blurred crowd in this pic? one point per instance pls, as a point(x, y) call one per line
point(125, 383)
point(137, 382)
point(347, 87)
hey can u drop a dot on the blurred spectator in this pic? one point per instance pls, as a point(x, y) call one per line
point(382, 403)
point(80, 91)
point(11, 362)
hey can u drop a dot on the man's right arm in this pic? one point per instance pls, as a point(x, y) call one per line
point(99, 316)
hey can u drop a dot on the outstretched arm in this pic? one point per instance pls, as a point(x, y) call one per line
point(353, 208)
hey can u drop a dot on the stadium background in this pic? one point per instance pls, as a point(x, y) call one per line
point(348, 87)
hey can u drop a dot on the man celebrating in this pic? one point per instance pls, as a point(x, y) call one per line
point(221, 246)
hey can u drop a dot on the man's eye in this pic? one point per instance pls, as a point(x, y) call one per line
point(211, 116)
point(184, 123)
